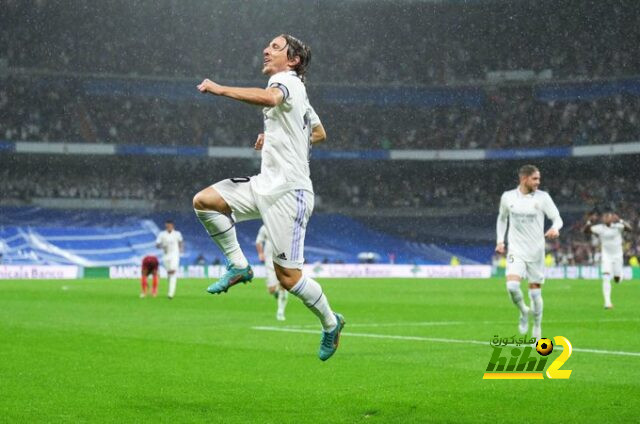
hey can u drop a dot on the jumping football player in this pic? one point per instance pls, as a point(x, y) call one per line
point(524, 209)
point(265, 255)
point(611, 254)
point(282, 193)
point(170, 241)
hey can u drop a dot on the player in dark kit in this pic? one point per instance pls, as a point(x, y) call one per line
point(149, 266)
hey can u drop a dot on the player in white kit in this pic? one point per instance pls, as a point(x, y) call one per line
point(282, 193)
point(265, 255)
point(611, 254)
point(524, 209)
point(170, 241)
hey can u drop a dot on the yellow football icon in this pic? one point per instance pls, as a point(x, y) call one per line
point(544, 347)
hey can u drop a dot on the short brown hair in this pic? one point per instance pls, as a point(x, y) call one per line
point(527, 170)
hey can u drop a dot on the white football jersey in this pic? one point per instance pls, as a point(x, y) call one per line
point(525, 214)
point(170, 242)
point(263, 239)
point(287, 139)
point(610, 239)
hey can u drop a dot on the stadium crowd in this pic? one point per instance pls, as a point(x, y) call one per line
point(572, 38)
point(507, 119)
point(374, 188)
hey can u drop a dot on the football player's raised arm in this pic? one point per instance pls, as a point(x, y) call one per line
point(587, 227)
point(266, 97)
point(625, 225)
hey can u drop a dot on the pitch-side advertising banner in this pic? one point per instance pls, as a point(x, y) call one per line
point(330, 271)
point(39, 272)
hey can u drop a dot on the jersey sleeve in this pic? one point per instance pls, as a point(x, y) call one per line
point(503, 218)
point(552, 212)
point(314, 119)
point(159, 239)
point(283, 82)
point(180, 239)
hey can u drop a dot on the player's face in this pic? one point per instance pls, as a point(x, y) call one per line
point(531, 182)
point(168, 226)
point(275, 57)
point(607, 218)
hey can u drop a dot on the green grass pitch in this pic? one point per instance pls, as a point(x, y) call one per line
point(92, 351)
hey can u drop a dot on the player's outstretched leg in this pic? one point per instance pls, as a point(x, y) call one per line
point(513, 287)
point(606, 290)
point(311, 294)
point(535, 294)
point(221, 229)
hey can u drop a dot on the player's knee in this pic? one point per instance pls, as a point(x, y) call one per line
point(288, 279)
point(198, 201)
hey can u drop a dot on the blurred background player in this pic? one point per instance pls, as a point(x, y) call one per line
point(149, 266)
point(265, 255)
point(524, 209)
point(282, 193)
point(611, 254)
point(170, 241)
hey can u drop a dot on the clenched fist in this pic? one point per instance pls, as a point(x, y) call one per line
point(208, 86)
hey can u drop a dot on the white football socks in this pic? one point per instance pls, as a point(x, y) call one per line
point(310, 292)
point(173, 282)
point(513, 287)
point(606, 289)
point(222, 230)
point(536, 306)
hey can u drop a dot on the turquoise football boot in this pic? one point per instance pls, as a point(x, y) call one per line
point(330, 340)
point(230, 278)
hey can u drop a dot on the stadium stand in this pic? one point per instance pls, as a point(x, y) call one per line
point(36, 235)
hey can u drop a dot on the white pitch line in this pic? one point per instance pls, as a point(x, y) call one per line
point(432, 339)
point(393, 324)
point(445, 323)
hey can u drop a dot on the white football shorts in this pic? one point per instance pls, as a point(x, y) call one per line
point(171, 262)
point(533, 271)
point(612, 266)
point(285, 216)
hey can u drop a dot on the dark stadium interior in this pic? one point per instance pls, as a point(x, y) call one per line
point(69, 76)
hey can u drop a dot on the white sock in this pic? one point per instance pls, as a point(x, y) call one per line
point(221, 229)
point(310, 292)
point(606, 289)
point(513, 287)
point(173, 281)
point(536, 306)
point(283, 296)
